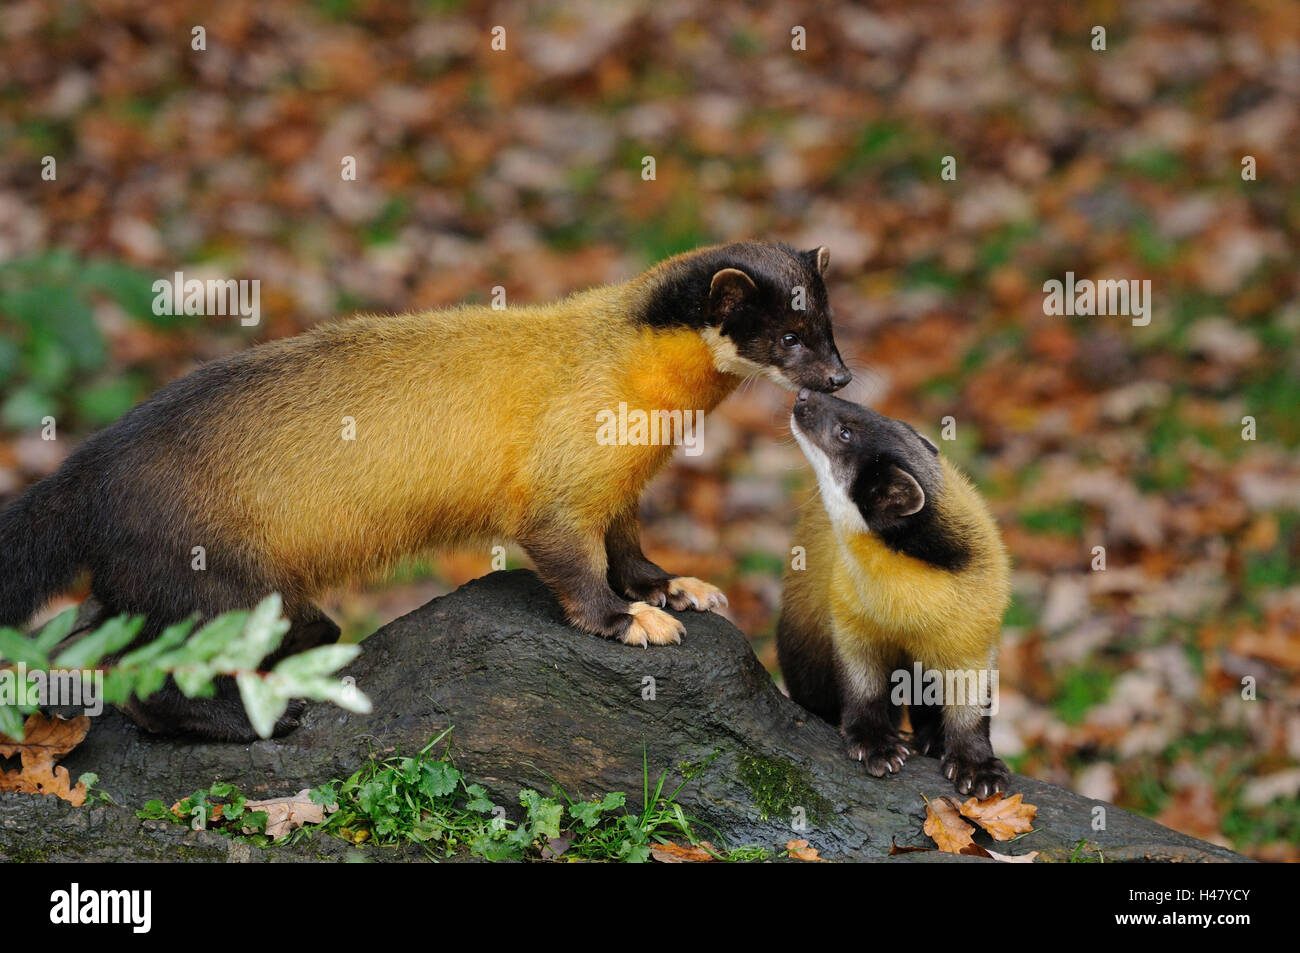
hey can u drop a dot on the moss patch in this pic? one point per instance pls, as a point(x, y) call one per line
point(778, 787)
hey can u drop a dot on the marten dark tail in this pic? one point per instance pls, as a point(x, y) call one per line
point(39, 551)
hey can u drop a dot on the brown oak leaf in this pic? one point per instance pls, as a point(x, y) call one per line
point(45, 741)
point(1014, 858)
point(286, 814)
point(682, 853)
point(944, 825)
point(1002, 817)
point(799, 850)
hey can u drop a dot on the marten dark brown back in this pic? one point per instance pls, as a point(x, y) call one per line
point(469, 424)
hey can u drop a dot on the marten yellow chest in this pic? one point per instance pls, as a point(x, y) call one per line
point(668, 375)
point(883, 599)
point(671, 370)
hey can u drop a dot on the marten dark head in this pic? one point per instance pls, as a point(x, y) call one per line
point(878, 475)
point(762, 308)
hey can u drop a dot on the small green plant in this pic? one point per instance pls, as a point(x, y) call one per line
point(232, 644)
point(221, 807)
point(427, 801)
point(1077, 856)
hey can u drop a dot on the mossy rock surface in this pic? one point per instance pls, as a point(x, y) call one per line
point(533, 702)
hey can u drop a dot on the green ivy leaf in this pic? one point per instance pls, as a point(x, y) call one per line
point(588, 813)
point(210, 640)
point(263, 705)
point(438, 779)
point(168, 639)
point(544, 814)
point(115, 634)
point(56, 630)
point(262, 632)
point(478, 799)
point(11, 722)
point(156, 810)
point(320, 661)
point(16, 647)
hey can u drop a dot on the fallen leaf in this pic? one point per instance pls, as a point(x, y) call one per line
point(895, 849)
point(286, 814)
point(682, 853)
point(799, 850)
point(45, 741)
point(943, 823)
point(555, 847)
point(1002, 817)
point(1013, 858)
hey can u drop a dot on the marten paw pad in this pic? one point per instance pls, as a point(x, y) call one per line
point(687, 592)
point(880, 758)
point(651, 626)
point(979, 778)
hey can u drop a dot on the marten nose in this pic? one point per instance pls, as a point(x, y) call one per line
point(803, 395)
point(839, 378)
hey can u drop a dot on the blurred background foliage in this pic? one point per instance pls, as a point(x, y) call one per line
point(523, 168)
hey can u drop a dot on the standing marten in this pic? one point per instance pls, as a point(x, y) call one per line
point(904, 566)
point(470, 424)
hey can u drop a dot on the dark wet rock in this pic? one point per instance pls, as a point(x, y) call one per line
point(534, 702)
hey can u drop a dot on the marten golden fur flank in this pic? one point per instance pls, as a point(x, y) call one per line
point(467, 425)
point(904, 565)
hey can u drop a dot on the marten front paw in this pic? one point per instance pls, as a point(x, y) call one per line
point(882, 757)
point(651, 626)
point(980, 778)
point(687, 592)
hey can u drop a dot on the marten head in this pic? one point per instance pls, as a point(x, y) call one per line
point(762, 309)
point(879, 475)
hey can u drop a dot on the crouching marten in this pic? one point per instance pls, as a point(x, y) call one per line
point(302, 463)
point(904, 566)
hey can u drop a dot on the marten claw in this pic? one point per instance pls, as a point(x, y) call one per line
point(886, 757)
point(688, 592)
point(980, 778)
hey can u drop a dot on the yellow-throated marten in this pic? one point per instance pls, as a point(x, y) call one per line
point(904, 566)
point(466, 424)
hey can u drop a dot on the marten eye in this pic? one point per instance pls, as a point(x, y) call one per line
point(790, 340)
point(844, 434)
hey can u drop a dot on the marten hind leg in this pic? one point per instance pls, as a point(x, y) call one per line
point(222, 717)
point(927, 729)
point(218, 718)
point(574, 566)
point(631, 573)
point(807, 659)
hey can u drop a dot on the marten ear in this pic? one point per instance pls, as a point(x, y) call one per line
point(901, 495)
point(728, 290)
point(819, 258)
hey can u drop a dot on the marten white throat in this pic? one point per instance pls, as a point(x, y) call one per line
point(469, 425)
point(904, 565)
